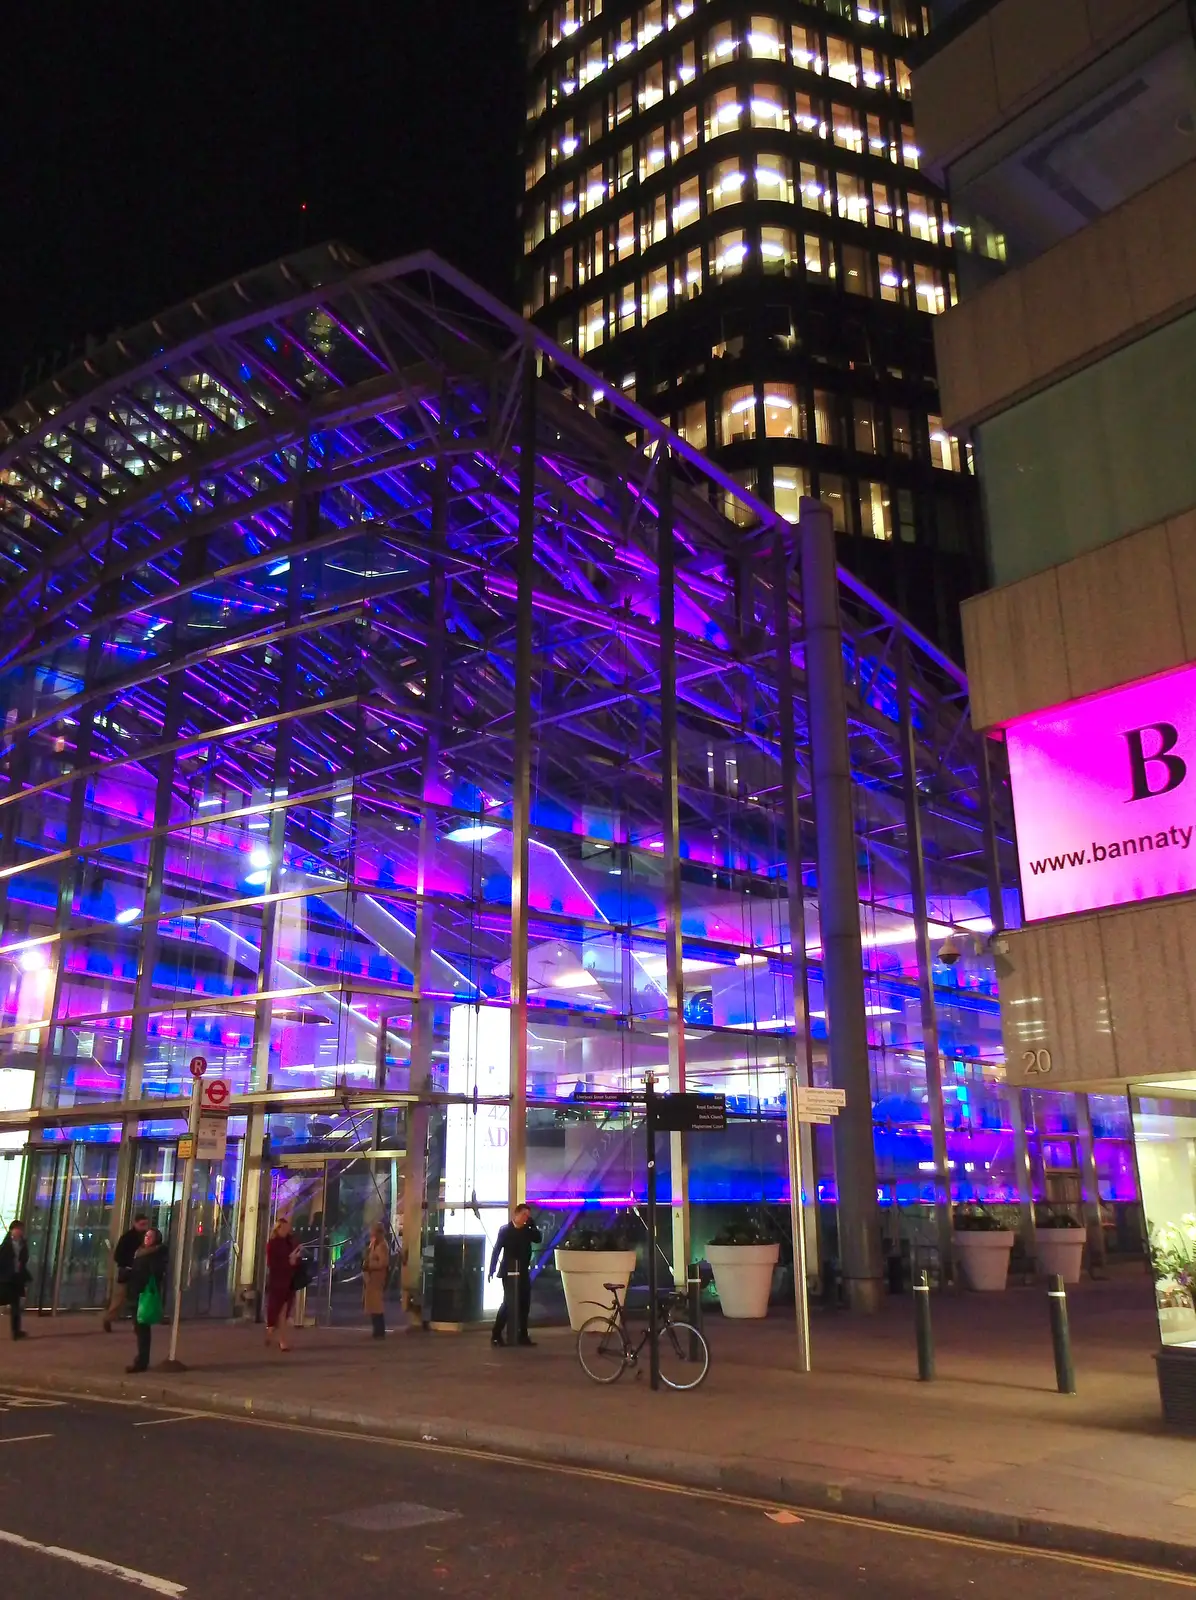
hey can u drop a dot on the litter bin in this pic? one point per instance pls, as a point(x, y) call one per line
point(458, 1270)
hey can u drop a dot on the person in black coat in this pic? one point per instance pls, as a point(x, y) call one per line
point(14, 1274)
point(127, 1247)
point(149, 1266)
point(514, 1248)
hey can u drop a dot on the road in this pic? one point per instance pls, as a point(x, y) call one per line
point(217, 1509)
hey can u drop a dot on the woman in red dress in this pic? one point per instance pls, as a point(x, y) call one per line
point(282, 1257)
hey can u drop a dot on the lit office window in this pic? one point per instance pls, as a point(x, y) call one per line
point(774, 179)
point(876, 511)
point(815, 188)
point(825, 417)
point(691, 424)
point(878, 142)
point(592, 62)
point(820, 258)
point(865, 428)
point(628, 304)
point(734, 509)
point(721, 44)
point(806, 49)
point(649, 22)
point(726, 185)
point(622, 105)
point(537, 165)
point(654, 221)
point(683, 133)
point(874, 74)
point(923, 220)
point(910, 153)
point(893, 284)
point(904, 81)
point(593, 327)
point(656, 293)
point(806, 117)
point(857, 270)
point(929, 290)
point(625, 168)
point(882, 206)
point(687, 276)
point(765, 39)
point(724, 113)
point(684, 68)
point(945, 452)
point(902, 431)
point(833, 491)
point(625, 238)
point(687, 204)
point(782, 413)
point(652, 153)
point(853, 197)
point(730, 253)
point(841, 61)
point(778, 248)
point(593, 192)
point(789, 486)
point(767, 109)
point(652, 87)
point(847, 132)
point(737, 416)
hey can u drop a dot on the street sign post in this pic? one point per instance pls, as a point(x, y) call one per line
point(819, 1106)
point(199, 1065)
point(216, 1094)
point(212, 1140)
point(691, 1113)
point(182, 1211)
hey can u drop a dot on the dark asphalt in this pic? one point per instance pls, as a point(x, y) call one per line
point(228, 1509)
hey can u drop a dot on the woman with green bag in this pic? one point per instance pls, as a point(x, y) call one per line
point(146, 1277)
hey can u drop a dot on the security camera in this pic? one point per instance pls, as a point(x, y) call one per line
point(949, 952)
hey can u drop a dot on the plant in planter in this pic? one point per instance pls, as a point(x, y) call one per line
point(1173, 1259)
point(983, 1244)
point(1059, 1240)
point(591, 1257)
point(743, 1258)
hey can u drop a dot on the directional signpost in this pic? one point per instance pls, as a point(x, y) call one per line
point(815, 1106)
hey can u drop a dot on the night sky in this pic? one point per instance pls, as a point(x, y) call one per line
point(152, 150)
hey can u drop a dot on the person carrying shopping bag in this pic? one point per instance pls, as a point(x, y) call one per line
point(375, 1270)
point(146, 1277)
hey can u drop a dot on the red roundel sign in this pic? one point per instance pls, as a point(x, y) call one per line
point(199, 1065)
point(217, 1092)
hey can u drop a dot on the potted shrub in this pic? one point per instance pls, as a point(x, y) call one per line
point(743, 1259)
point(590, 1258)
point(1059, 1241)
point(1173, 1263)
point(982, 1247)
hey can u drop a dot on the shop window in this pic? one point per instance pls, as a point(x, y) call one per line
point(826, 418)
point(737, 416)
point(815, 189)
point(903, 433)
point(944, 447)
point(778, 248)
point(774, 179)
point(724, 113)
point(726, 185)
point(857, 270)
point(721, 44)
point(730, 253)
point(768, 110)
point(841, 61)
point(691, 424)
point(789, 486)
point(876, 511)
point(929, 290)
point(656, 293)
point(833, 492)
point(853, 197)
point(805, 49)
point(765, 39)
point(782, 415)
point(820, 258)
point(865, 426)
point(687, 204)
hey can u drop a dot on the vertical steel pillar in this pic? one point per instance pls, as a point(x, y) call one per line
point(521, 780)
point(930, 1027)
point(1023, 1171)
point(839, 911)
point(1090, 1183)
point(803, 1215)
point(671, 860)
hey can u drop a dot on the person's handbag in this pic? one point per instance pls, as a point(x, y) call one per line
point(149, 1303)
point(301, 1276)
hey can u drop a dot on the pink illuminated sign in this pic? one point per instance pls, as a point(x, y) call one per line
point(1104, 794)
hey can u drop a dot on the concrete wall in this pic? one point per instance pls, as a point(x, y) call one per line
point(1112, 997)
point(1014, 55)
point(1119, 613)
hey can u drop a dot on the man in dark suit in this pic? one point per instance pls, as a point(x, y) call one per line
point(512, 1256)
point(14, 1274)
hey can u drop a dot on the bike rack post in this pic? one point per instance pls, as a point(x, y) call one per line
point(1065, 1371)
point(923, 1326)
point(693, 1288)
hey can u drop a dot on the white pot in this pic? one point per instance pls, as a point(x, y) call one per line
point(743, 1276)
point(984, 1257)
point(1060, 1251)
point(584, 1274)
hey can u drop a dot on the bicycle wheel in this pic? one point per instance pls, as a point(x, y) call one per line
point(684, 1356)
point(600, 1349)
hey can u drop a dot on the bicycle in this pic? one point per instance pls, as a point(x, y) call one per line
point(605, 1350)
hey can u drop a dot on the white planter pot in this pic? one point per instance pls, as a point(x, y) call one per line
point(984, 1258)
point(743, 1276)
point(1060, 1251)
point(584, 1274)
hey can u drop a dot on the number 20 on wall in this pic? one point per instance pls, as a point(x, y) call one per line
point(1036, 1063)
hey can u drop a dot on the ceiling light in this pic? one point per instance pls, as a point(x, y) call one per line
point(34, 960)
point(259, 857)
point(129, 914)
point(468, 832)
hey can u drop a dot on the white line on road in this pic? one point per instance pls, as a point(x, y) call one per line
point(183, 1416)
point(110, 1569)
point(26, 1438)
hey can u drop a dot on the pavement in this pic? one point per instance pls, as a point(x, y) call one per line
point(100, 1498)
point(990, 1448)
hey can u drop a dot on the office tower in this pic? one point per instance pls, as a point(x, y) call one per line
point(725, 215)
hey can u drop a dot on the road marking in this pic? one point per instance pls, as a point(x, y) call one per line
point(958, 1541)
point(110, 1569)
point(25, 1438)
point(158, 1422)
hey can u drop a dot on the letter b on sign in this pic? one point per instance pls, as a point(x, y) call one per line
point(1170, 769)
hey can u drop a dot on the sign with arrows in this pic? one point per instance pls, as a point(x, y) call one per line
point(820, 1105)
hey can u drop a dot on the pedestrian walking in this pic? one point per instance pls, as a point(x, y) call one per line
point(512, 1256)
point(283, 1254)
point(14, 1274)
point(144, 1283)
point(375, 1270)
point(127, 1247)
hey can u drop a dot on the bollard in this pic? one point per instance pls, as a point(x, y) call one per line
point(924, 1330)
point(510, 1291)
point(1065, 1372)
point(693, 1290)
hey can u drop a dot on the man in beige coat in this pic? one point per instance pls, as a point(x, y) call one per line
point(375, 1269)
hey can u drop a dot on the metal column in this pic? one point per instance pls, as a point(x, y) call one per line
point(1090, 1183)
point(839, 911)
point(671, 857)
point(521, 779)
point(930, 1028)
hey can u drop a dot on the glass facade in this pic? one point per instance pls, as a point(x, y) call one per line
point(385, 728)
point(724, 212)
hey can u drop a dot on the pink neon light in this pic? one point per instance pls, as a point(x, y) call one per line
point(1104, 794)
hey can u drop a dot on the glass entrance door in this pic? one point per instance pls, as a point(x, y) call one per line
point(332, 1203)
point(71, 1195)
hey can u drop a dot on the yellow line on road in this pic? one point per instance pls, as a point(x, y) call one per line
point(25, 1438)
point(958, 1541)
